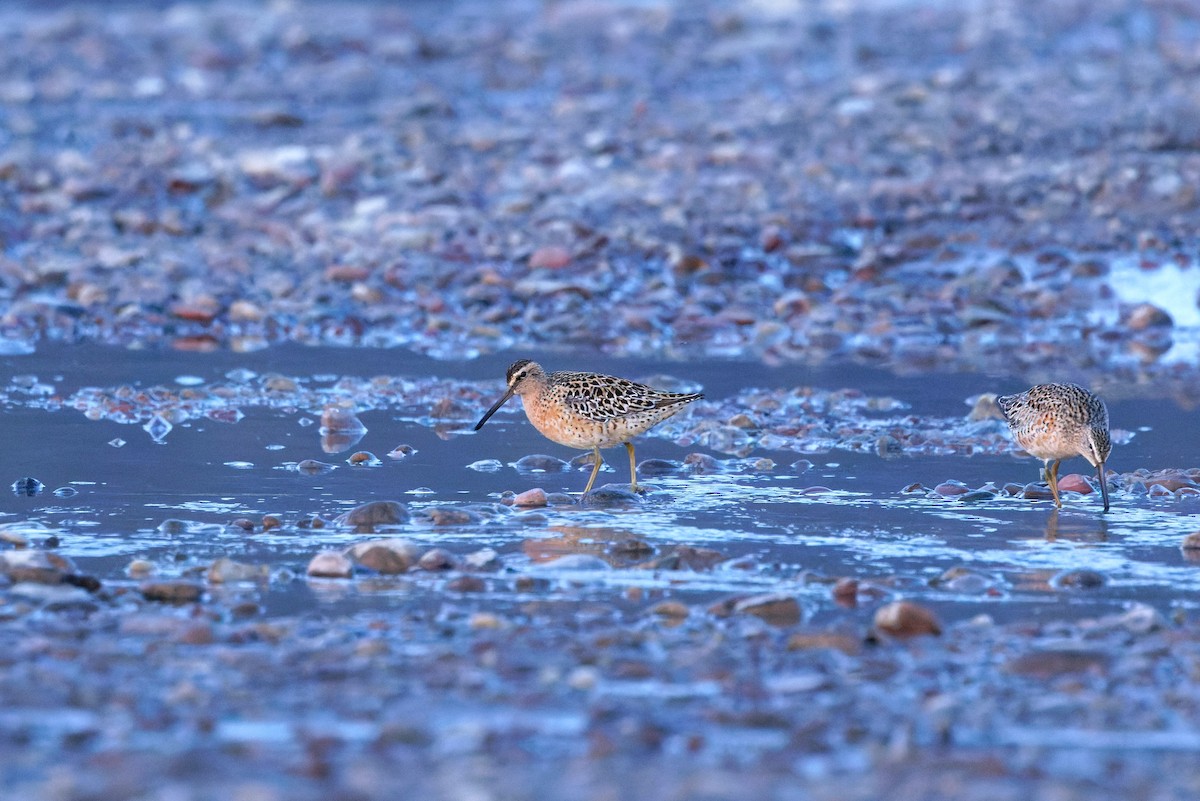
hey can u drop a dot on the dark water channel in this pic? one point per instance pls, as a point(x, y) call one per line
point(207, 472)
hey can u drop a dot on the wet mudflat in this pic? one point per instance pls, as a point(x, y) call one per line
point(262, 267)
point(727, 626)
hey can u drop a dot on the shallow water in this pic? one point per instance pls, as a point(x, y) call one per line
point(207, 472)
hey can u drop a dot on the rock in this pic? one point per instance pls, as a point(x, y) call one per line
point(531, 498)
point(172, 591)
point(387, 556)
point(485, 559)
point(1144, 316)
point(1191, 544)
point(776, 608)
point(312, 467)
point(330, 564)
point(437, 559)
point(225, 571)
point(984, 407)
point(611, 495)
point(685, 557)
point(904, 619)
point(447, 516)
point(401, 452)
point(951, 488)
point(1081, 579)
point(888, 447)
point(364, 459)
point(36, 566)
point(337, 419)
point(466, 584)
point(672, 610)
point(541, 463)
point(374, 513)
point(1074, 482)
point(551, 257)
point(824, 640)
point(1049, 663)
point(701, 463)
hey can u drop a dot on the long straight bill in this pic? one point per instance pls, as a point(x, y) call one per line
point(1103, 485)
point(496, 406)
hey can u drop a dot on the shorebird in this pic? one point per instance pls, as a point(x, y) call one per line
point(588, 410)
point(1058, 421)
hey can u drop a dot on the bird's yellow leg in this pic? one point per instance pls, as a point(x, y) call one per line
point(595, 470)
point(1052, 479)
point(632, 468)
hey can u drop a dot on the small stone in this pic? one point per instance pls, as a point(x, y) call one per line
point(531, 498)
point(1074, 482)
point(541, 463)
point(951, 488)
point(823, 640)
point(777, 609)
point(242, 523)
point(466, 584)
point(386, 556)
point(365, 459)
point(172, 591)
point(139, 569)
point(330, 564)
point(904, 619)
point(485, 559)
point(244, 311)
point(1146, 315)
point(340, 420)
point(845, 592)
point(985, 407)
point(700, 463)
point(1056, 662)
point(226, 571)
point(673, 610)
point(888, 447)
point(1081, 579)
point(312, 467)
point(374, 513)
point(552, 257)
point(437, 559)
point(1191, 542)
point(486, 620)
point(401, 452)
point(270, 522)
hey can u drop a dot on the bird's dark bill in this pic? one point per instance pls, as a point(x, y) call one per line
point(492, 410)
point(1103, 485)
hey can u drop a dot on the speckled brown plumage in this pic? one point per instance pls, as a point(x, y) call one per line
point(588, 410)
point(1058, 421)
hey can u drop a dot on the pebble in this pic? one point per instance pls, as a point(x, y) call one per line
point(1191, 542)
point(951, 488)
point(374, 513)
point(1074, 482)
point(330, 564)
point(904, 619)
point(401, 452)
point(171, 591)
point(337, 419)
point(438, 559)
point(541, 463)
point(364, 459)
point(312, 467)
point(1081, 579)
point(386, 556)
point(1049, 663)
point(226, 571)
point(466, 584)
point(530, 498)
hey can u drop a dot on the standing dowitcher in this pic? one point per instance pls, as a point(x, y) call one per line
point(1057, 421)
point(588, 410)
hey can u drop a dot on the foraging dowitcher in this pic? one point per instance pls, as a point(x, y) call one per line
point(1057, 421)
point(588, 410)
